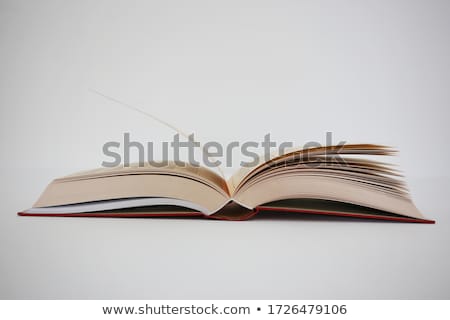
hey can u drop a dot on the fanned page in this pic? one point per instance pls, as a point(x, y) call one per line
point(268, 160)
point(318, 173)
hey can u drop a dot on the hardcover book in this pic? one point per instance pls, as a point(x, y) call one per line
point(302, 181)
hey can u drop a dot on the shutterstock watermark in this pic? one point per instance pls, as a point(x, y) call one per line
point(213, 153)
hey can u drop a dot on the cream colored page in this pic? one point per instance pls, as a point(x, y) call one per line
point(183, 169)
point(132, 186)
point(236, 179)
point(326, 188)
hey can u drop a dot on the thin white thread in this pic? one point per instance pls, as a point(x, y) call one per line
point(165, 123)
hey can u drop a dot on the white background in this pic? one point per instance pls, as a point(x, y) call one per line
point(368, 71)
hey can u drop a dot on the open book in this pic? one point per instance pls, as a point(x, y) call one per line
point(310, 181)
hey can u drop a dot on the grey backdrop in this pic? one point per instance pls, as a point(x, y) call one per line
point(368, 71)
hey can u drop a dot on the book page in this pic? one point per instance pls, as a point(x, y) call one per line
point(275, 157)
point(127, 186)
point(116, 204)
point(325, 188)
point(182, 168)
